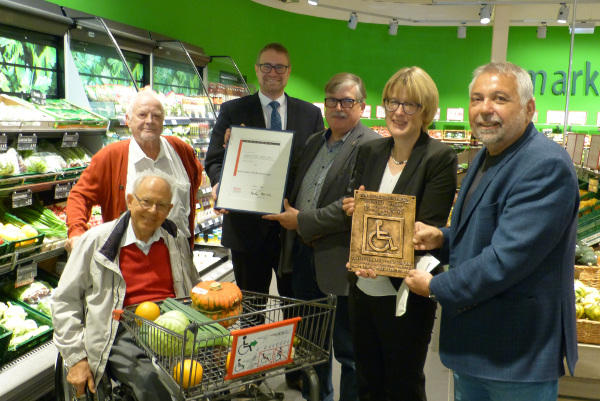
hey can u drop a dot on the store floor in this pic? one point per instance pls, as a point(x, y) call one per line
point(438, 384)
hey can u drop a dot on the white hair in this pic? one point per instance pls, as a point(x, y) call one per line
point(144, 177)
point(138, 95)
point(524, 84)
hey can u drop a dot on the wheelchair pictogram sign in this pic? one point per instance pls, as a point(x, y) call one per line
point(383, 236)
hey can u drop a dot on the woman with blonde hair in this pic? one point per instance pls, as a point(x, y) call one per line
point(390, 350)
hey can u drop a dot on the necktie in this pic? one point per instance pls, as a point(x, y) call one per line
point(275, 117)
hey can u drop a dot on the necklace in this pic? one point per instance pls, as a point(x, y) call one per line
point(396, 162)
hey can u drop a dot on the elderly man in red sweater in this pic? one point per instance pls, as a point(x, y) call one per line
point(114, 168)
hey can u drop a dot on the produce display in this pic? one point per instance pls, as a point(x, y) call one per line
point(46, 159)
point(218, 300)
point(587, 302)
point(15, 319)
point(585, 255)
point(10, 232)
point(34, 219)
point(15, 112)
point(63, 110)
point(38, 295)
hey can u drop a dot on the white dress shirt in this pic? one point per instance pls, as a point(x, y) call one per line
point(167, 165)
point(130, 238)
point(267, 110)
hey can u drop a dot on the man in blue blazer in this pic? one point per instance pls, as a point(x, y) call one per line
point(508, 303)
point(254, 242)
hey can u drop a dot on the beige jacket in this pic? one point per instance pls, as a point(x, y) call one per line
point(92, 286)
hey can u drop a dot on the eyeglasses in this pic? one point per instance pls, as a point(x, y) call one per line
point(345, 103)
point(147, 204)
point(408, 107)
point(279, 68)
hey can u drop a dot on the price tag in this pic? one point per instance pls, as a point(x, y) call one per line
point(37, 97)
point(3, 143)
point(25, 274)
point(62, 191)
point(174, 122)
point(23, 198)
point(27, 142)
point(70, 140)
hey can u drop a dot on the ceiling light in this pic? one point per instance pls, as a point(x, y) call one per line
point(393, 27)
point(353, 21)
point(485, 14)
point(563, 14)
point(583, 27)
point(313, 2)
point(541, 31)
point(461, 32)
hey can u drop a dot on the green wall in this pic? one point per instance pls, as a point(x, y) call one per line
point(320, 47)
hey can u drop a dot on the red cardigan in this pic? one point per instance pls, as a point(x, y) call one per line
point(104, 181)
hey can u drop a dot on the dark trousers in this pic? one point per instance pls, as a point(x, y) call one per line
point(129, 364)
point(390, 351)
point(304, 283)
point(253, 270)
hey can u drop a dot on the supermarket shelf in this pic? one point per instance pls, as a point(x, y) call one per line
point(29, 376)
point(16, 258)
point(38, 182)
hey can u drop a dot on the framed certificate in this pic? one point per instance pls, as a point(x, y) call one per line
point(255, 170)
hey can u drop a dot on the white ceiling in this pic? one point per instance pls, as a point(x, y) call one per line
point(441, 12)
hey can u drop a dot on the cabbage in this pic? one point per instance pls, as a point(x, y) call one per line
point(13, 311)
point(20, 326)
point(166, 344)
point(593, 312)
point(579, 311)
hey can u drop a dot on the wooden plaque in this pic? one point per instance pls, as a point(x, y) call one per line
point(383, 226)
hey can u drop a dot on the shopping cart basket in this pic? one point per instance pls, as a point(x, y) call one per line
point(272, 336)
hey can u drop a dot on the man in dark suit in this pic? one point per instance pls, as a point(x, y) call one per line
point(317, 241)
point(254, 242)
point(508, 303)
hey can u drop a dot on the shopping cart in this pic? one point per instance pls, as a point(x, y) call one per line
point(272, 336)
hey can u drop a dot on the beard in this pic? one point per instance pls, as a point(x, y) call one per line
point(503, 131)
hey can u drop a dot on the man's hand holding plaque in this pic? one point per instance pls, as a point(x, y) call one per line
point(383, 226)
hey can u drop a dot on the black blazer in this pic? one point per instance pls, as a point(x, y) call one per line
point(246, 231)
point(429, 175)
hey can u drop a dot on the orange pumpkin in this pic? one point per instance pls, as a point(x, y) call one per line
point(224, 313)
point(213, 296)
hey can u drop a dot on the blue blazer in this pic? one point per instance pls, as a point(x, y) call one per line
point(508, 302)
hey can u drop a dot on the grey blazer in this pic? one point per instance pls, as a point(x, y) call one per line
point(327, 227)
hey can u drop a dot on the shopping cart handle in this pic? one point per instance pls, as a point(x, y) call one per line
point(116, 314)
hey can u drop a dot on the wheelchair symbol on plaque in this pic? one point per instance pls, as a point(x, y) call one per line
point(382, 236)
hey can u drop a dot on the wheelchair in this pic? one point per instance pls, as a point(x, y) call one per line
point(106, 390)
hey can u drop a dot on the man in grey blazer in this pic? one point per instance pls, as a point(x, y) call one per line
point(316, 243)
point(508, 302)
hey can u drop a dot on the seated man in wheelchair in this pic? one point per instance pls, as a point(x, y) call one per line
point(139, 257)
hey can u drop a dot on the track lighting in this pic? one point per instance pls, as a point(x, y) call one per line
point(461, 31)
point(393, 27)
point(353, 21)
point(563, 14)
point(541, 31)
point(485, 14)
point(313, 2)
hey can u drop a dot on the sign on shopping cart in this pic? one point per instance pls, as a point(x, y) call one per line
point(261, 347)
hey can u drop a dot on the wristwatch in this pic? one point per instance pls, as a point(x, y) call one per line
point(432, 295)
